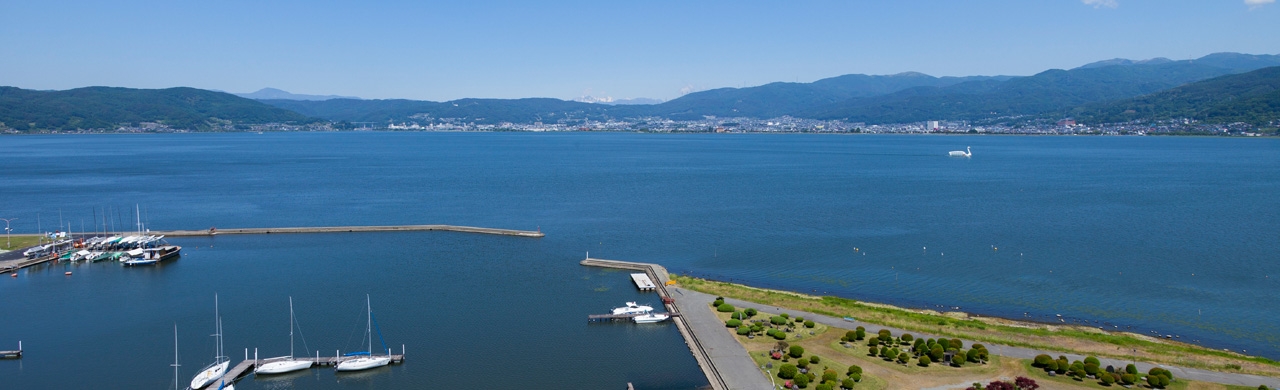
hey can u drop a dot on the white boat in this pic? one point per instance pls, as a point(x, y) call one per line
point(285, 364)
point(632, 308)
point(366, 360)
point(651, 318)
point(218, 368)
point(957, 153)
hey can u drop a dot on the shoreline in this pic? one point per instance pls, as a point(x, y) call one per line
point(1260, 136)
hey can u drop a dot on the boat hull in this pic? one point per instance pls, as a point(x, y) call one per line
point(281, 367)
point(210, 374)
point(363, 363)
point(651, 318)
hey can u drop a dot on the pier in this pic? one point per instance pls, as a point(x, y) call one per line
point(347, 229)
point(248, 365)
point(618, 317)
point(12, 354)
point(658, 273)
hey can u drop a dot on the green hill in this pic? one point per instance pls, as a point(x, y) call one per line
point(1252, 97)
point(481, 111)
point(109, 108)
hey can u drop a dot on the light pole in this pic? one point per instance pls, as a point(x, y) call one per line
point(7, 244)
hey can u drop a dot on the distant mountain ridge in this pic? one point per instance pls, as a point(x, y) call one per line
point(110, 107)
point(272, 93)
point(1252, 97)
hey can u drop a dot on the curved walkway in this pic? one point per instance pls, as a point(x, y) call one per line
point(691, 298)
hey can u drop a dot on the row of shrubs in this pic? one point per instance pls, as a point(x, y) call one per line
point(1091, 368)
point(800, 375)
point(925, 351)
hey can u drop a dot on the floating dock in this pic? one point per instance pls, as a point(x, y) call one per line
point(12, 354)
point(348, 229)
point(643, 282)
point(248, 365)
point(618, 317)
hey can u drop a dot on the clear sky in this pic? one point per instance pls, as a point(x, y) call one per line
point(442, 50)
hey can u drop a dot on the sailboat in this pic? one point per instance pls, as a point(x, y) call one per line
point(175, 364)
point(218, 368)
point(366, 359)
point(285, 364)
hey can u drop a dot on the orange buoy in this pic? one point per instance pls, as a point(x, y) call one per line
point(15, 274)
point(68, 273)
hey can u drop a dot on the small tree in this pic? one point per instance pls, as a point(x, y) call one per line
point(972, 356)
point(1042, 361)
point(809, 324)
point(829, 375)
point(1128, 379)
point(924, 361)
point(903, 357)
point(1108, 379)
point(957, 360)
point(725, 308)
point(885, 336)
point(957, 344)
point(1132, 369)
point(848, 384)
point(937, 353)
point(788, 371)
point(802, 363)
point(796, 351)
point(814, 359)
point(1093, 360)
point(907, 337)
point(850, 336)
point(862, 333)
point(873, 342)
point(873, 351)
point(854, 369)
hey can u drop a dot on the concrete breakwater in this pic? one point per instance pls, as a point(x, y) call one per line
point(348, 229)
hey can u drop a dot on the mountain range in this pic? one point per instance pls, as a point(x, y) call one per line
point(272, 93)
point(1105, 91)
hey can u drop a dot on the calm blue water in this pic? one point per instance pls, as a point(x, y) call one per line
point(1175, 235)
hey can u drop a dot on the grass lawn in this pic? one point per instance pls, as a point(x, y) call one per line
point(1048, 337)
point(868, 381)
point(18, 242)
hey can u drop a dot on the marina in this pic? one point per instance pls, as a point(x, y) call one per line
point(15, 354)
point(248, 365)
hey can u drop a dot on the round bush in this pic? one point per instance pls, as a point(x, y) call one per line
point(799, 319)
point(957, 360)
point(846, 384)
point(785, 315)
point(757, 328)
point(936, 354)
point(1092, 360)
point(873, 342)
point(862, 333)
point(1132, 369)
point(777, 320)
point(801, 380)
point(1128, 379)
point(908, 337)
point(872, 350)
point(854, 369)
point(1042, 360)
point(957, 344)
point(924, 361)
point(857, 377)
point(1091, 369)
point(823, 386)
point(780, 335)
point(850, 336)
point(1107, 379)
point(743, 330)
point(903, 357)
point(809, 324)
point(973, 354)
point(738, 315)
point(829, 375)
point(814, 359)
point(750, 312)
point(733, 323)
point(725, 308)
point(802, 363)
point(796, 351)
point(1160, 371)
point(788, 371)
point(1079, 372)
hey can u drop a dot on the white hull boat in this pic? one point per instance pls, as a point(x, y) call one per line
point(283, 366)
point(651, 318)
point(632, 308)
point(363, 363)
point(210, 374)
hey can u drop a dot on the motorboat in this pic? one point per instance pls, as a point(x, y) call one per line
point(151, 255)
point(651, 318)
point(285, 364)
point(366, 360)
point(214, 371)
point(632, 308)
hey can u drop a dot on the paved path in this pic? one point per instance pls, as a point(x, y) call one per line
point(1003, 350)
point(729, 356)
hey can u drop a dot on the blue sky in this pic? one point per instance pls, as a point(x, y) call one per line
point(565, 49)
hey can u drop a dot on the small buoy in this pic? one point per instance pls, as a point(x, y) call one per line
point(68, 273)
point(15, 274)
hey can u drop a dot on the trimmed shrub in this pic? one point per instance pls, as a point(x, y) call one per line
point(1042, 361)
point(1108, 379)
point(957, 360)
point(918, 346)
point(814, 359)
point(872, 351)
point(854, 369)
point(824, 386)
point(956, 343)
point(1128, 379)
point(871, 342)
point(799, 319)
point(718, 302)
point(862, 333)
point(796, 351)
point(1093, 360)
point(788, 371)
point(1132, 369)
point(924, 361)
point(757, 328)
point(850, 336)
point(802, 363)
point(750, 312)
point(801, 380)
point(829, 375)
point(809, 324)
point(1091, 369)
point(743, 330)
point(857, 377)
point(777, 320)
point(903, 357)
point(848, 384)
point(780, 335)
point(785, 315)
point(733, 323)
point(1160, 371)
point(907, 337)
point(972, 355)
point(936, 353)
point(884, 336)
point(725, 308)
point(1079, 372)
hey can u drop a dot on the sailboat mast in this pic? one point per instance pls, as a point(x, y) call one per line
point(368, 328)
point(175, 356)
point(291, 326)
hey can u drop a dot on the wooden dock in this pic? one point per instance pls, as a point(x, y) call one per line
point(24, 263)
point(617, 317)
point(12, 354)
point(348, 229)
point(248, 365)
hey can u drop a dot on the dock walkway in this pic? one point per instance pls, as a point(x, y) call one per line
point(247, 366)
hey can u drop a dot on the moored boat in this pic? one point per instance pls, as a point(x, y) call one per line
point(651, 318)
point(632, 308)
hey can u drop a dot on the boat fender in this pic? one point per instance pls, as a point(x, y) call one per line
point(68, 273)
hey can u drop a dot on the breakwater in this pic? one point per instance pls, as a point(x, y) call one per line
point(348, 229)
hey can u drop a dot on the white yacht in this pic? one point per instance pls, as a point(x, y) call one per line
point(651, 318)
point(632, 308)
point(218, 368)
point(366, 360)
point(285, 364)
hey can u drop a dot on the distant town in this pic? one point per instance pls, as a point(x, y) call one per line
point(711, 124)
